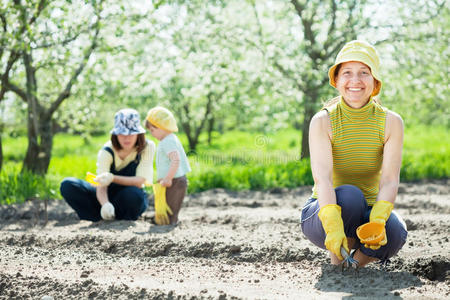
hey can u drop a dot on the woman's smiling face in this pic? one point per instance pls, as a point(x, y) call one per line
point(355, 83)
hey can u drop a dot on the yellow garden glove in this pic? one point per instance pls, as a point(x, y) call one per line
point(161, 207)
point(381, 211)
point(330, 215)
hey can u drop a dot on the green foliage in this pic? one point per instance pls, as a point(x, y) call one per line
point(16, 187)
point(73, 166)
point(416, 75)
point(14, 148)
point(233, 141)
point(65, 145)
point(253, 177)
point(426, 153)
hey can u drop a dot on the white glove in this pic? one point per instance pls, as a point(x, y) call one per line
point(107, 212)
point(104, 179)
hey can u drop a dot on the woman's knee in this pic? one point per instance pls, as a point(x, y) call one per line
point(134, 194)
point(134, 200)
point(311, 225)
point(350, 195)
point(353, 204)
point(68, 186)
point(396, 232)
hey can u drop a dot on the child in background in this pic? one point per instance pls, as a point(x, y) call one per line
point(171, 160)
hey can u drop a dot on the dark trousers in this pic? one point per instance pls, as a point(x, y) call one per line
point(129, 202)
point(354, 212)
point(175, 196)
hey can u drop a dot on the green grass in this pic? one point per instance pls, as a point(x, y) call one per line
point(255, 177)
point(16, 187)
point(288, 139)
point(234, 160)
point(426, 153)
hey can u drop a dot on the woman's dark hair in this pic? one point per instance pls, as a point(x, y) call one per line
point(336, 70)
point(140, 142)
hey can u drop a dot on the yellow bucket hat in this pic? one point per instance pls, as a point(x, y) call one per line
point(358, 51)
point(162, 118)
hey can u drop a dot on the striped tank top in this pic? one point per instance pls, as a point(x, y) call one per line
point(357, 146)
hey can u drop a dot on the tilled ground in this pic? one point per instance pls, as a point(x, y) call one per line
point(229, 245)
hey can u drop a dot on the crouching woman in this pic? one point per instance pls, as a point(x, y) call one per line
point(356, 148)
point(124, 165)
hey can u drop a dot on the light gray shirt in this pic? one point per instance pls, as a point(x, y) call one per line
point(167, 145)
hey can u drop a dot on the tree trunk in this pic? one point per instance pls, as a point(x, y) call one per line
point(210, 129)
point(39, 119)
point(192, 141)
point(1, 148)
point(37, 158)
point(194, 135)
point(311, 98)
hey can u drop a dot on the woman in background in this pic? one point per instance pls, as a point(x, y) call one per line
point(124, 165)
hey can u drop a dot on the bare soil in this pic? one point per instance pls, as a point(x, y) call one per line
point(228, 245)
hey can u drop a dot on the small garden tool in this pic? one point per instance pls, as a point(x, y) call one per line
point(349, 262)
point(90, 178)
point(103, 179)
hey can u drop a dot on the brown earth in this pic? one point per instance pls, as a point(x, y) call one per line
point(229, 245)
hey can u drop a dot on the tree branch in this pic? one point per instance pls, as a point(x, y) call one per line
point(258, 21)
point(13, 57)
point(14, 88)
point(4, 22)
point(66, 92)
point(332, 27)
point(186, 125)
point(39, 9)
point(308, 33)
point(336, 48)
point(207, 112)
point(440, 6)
point(397, 37)
point(63, 42)
point(299, 8)
point(279, 67)
point(32, 101)
point(350, 26)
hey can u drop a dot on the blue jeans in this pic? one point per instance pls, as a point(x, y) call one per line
point(129, 201)
point(355, 212)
